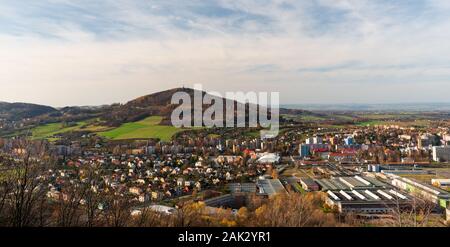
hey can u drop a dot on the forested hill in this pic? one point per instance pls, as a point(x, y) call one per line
point(19, 111)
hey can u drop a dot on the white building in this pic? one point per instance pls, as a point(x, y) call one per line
point(318, 140)
point(269, 158)
point(441, 153)
point(440, 182)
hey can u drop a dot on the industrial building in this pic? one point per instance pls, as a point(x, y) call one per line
point(350, 183)
point(242, 188)
point(270, 187)
point(441, 154)
point(362, 195)
point(378, 201)
point(226, 201)
point(309, 184)
point(440, 182)
point(237, 198)
point(409, 172)
point(431, 193)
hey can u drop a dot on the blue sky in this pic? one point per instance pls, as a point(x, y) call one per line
point(64, 52)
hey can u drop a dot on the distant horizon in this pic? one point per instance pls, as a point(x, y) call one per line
point(300, 105)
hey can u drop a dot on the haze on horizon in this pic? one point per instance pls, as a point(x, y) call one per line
point(63, 52)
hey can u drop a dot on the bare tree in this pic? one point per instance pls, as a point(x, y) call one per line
point(118, 212)
point(415, 213)
point(24, 191)
point(92, 197)
point(68, 204)
point(149, 218)
point(5, 190)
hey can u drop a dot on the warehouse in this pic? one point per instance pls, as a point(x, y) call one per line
point(226, 201)
point(350, 183)
point(431, 193)
point(380, 201)
point(242, 188)
point(441, 182)
point(309, 184)
point(270, 187)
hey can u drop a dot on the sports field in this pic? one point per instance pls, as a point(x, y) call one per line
point(145, 129)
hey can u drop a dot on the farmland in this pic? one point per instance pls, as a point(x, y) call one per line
point(50, 130)
point(145, 129)
point(412, 123)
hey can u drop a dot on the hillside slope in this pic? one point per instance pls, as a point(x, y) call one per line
point(18, 111)
point(159, 104)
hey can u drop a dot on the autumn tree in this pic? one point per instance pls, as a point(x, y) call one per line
point(293, 210)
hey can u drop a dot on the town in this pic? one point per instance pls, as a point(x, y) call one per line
point(383, 174)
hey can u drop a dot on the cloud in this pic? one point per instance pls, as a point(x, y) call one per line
point(315, 50)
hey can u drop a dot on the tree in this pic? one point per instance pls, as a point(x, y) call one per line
point(242, 216)
point(5, 190)
point(149, 218)
point(416, 213)
point(24, 200)
point(189, 214)
point(292, 210)
point(67, 206)
point(118, 212)
point(92, 196)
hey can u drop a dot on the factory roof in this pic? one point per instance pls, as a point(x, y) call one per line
point(425, 187)
point(349, 183)
point(270, 186)
point(308, 181)
point(367, 196)
point(242, 187)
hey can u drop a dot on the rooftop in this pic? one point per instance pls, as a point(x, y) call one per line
point(368, 196)
point(270, 187)
point(350, 183)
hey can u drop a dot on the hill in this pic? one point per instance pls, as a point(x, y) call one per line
point(159, 104)
point(144, 117)
point(19, 111)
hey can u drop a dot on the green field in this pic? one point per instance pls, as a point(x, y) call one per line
point(50, 130)
point(312, 118)
point(375, 122)
point(343, 117)
point(387, 116)
point(416, 123)
point(304, 117)
point(214, 136)
point(145, 129)
point(253, 133)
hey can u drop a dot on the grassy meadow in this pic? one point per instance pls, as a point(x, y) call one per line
point(50, 130)
point(144, 129)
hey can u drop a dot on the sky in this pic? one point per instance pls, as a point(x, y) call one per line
point(84, 52)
